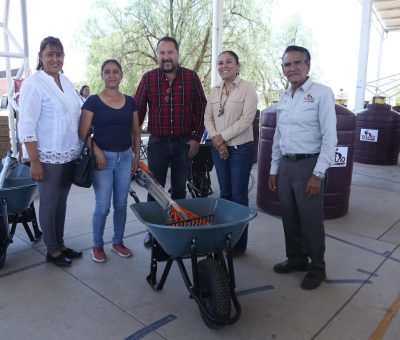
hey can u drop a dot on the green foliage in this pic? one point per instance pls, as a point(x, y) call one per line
point(130, 35)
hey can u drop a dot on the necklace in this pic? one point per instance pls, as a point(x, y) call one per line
point(222, 105)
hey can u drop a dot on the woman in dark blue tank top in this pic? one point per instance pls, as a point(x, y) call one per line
point(116, 137)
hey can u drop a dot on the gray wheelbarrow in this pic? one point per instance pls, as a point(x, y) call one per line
point(213, 278)
point(16, 195)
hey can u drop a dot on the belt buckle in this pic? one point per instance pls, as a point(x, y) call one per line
point(291, 156)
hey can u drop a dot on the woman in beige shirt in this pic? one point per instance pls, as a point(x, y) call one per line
point(230, 111)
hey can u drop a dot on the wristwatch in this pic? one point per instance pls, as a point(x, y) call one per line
point(319, 174)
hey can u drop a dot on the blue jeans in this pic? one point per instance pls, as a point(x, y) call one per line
point(113, 181)
point(233, 178)
point(163, 152)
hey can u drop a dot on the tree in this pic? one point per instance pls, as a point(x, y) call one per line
point(130, 35)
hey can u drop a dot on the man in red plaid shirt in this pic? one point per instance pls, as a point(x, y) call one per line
point(174, 98)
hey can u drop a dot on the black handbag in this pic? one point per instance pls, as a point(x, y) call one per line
point(84, 166)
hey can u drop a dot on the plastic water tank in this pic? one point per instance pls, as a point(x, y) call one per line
point(266, 199)
point(378, 134)
point(337, 189)
point(256, 134)
point(338, 176)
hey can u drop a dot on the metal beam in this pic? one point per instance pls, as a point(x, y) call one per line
point(363, 54)
point(23, 53)
point(218, 14)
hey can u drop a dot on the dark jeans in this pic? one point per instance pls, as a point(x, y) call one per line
point(163, 152)
point(233, 178)
point(302, 216)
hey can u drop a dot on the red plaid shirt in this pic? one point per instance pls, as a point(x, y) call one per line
point(173, 111)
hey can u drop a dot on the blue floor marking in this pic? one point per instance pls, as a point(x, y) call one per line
point(384, 254)
point(157, 324)
point(348, 281)
point(254, 290)
point(151, 328)
point(366, 272)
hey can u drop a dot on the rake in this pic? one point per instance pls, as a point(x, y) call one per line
point(177, 215)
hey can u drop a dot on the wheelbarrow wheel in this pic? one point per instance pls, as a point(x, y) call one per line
point(214, 293)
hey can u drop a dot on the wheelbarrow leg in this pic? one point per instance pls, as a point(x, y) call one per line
point(37, 232)
point(13, 226)
point(20, 218)
point(28, 231)
point(5, 239)
point(155, 257)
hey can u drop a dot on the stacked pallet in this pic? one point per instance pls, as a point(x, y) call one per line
point(5, 144)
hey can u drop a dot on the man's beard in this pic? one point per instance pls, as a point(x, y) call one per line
point(169, 70)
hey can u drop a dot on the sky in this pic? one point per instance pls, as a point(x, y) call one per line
point(334, 26)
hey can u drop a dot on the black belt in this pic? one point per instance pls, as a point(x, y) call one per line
point(172, 138)
point(299, 156)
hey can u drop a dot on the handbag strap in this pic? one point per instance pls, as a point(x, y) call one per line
point(85, 143)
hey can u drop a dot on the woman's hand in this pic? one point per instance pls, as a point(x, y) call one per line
point(100, 159)
point(135, 163)
point(223, 151)
point(36, 171)
point(217, 141)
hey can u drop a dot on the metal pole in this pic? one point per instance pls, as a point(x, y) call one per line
point(363, 54)
point(25, 37)
point(218, 12)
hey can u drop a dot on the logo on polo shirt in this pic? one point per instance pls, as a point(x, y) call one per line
point(309, 98)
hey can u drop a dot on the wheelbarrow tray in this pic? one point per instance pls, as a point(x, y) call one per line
point(19, 190)
point(229, 218)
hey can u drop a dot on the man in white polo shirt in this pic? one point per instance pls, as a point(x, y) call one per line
point(303, 148)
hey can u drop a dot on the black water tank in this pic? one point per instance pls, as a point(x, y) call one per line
point(256, 134)
point(266, 199)
point(378, 134)
point(338, 176)
point(337, 189)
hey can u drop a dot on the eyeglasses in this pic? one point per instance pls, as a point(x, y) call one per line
point(169, 91)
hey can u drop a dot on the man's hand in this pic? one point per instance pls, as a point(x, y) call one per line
point(313, 186)
point(273, 182)
point(193, 148)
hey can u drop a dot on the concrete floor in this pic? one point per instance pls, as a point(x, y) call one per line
point(359, 300)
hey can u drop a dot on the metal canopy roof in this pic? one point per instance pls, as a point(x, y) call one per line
point(388, 13)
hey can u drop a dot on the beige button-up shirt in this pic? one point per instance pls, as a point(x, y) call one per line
point(235, 125)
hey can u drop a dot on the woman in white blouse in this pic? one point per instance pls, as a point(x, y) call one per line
point(48, 125)
point(230, 111)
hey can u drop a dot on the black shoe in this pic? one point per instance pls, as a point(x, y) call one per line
point(71, 254)
point(148, 241)
point(290, 266)
point(313, 279)
point(59, 261)
point(237, 253)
